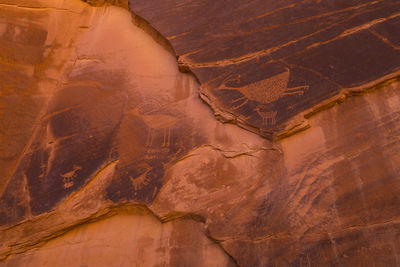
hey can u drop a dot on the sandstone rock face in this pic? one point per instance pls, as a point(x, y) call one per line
point(132, 237)
point(110, 157)
point(262, 63)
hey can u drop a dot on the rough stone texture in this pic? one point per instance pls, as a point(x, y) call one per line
point(109, 156)
point(261, 63)
point(132, 237)
point(330, 199)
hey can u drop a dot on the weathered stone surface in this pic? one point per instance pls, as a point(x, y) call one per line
point(131, 237)
point(118, 115)
point(331, 197)
point(106, 147)
point(36, 49)
point(261, 63)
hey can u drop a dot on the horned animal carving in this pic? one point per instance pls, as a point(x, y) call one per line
point(268, 117)
point(155, 122)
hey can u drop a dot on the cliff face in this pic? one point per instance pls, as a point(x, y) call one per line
point(110, 157)
point(264, 62)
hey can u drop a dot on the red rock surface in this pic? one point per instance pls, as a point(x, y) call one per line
point(109, 156)
point(260, 63)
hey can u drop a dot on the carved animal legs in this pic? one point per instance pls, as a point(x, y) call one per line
point(167, 137)
point(150, 135)
point(272, 118)
point(268, 117)
point(268, 121)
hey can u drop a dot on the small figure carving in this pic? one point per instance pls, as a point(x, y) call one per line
point(264, 91)
point(140, 181)
point(268, 117)
point(68, 178)
point(156, 122)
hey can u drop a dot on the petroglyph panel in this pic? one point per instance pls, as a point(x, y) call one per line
point(265, 48)
point(117, 127)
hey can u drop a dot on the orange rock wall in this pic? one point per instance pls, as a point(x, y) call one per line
point(109, 157)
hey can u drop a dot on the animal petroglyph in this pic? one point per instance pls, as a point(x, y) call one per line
point(140, 181)
point(69, 176)
point(268, 117)
point(264, 91)
point(156, 122)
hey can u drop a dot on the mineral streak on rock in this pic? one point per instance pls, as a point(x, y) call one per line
point(238, 48)
point(109, 157)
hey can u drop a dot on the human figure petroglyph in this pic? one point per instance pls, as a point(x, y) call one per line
point(265, 91)
point(156, 122)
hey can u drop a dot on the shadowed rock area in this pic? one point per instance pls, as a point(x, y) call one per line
point(109, 157)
